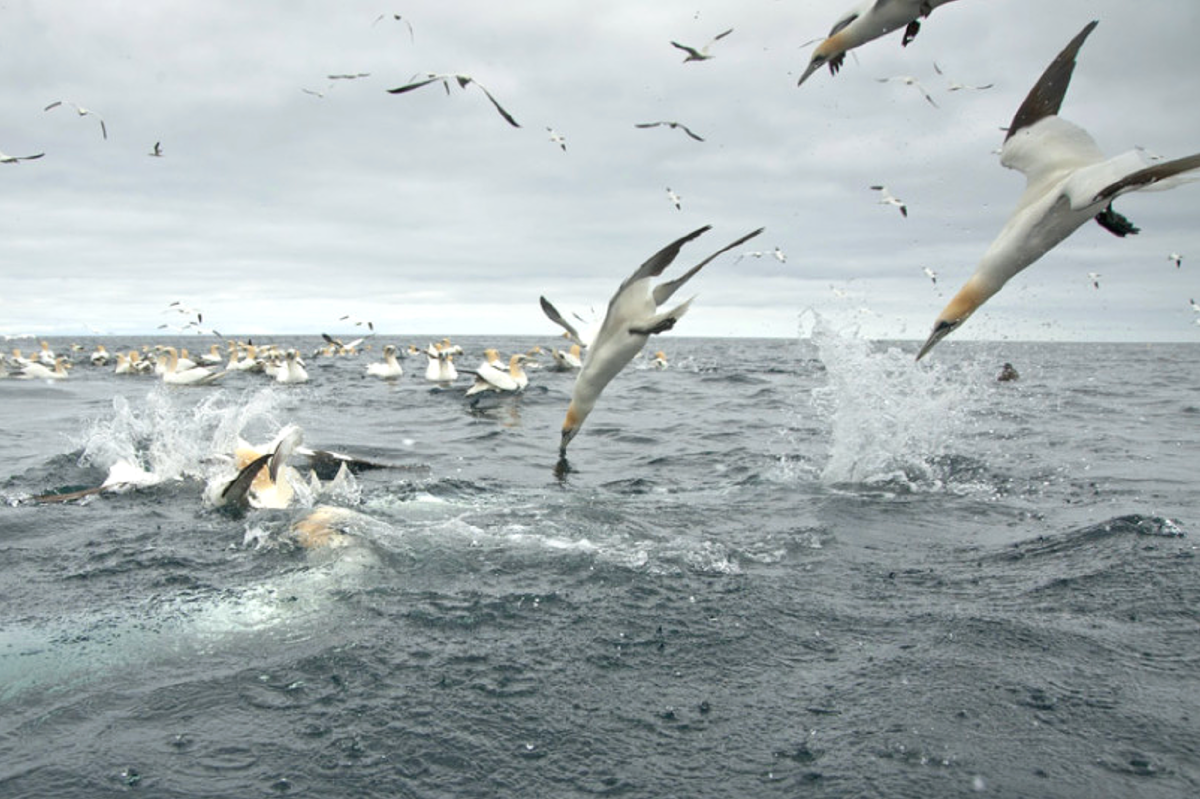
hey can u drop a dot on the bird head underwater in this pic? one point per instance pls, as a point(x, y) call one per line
point(633, 316)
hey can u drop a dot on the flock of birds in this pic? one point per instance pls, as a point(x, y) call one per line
point(1069, 181)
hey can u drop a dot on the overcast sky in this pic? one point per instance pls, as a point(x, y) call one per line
point(273, 210)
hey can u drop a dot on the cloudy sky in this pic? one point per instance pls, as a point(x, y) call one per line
point(275, 210)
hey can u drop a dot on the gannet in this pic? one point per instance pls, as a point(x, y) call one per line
point(157, 151)
point(868, 20)
point(660, 360)
point(702, 54)
point(679, 125)
point(909, 80)
point(1068, 182)
point(955, 86)
point(411, 36)
point(929, 273)
point(1176, 259)
point(34, 370)
point(441, 367)
point(12, 159)
point(463, 81)
point(390, 369)
point(81, 111)
point(489, 378)
point(193, 376)
point(674, 199)
point(292, 369)
point(354, 320)
point(100, 356)
point(557, 138)
point(886, 198)
point(567, 361)
point(1095, 278)
point(633, 316)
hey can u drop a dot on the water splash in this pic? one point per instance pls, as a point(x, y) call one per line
point(891, 422)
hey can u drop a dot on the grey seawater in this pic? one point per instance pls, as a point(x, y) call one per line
point(776, 568)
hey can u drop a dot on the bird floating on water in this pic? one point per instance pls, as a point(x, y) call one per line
point(633, 316)
point(463, 82)
point(702, 54)
point(1068, 182)
point(868, 20)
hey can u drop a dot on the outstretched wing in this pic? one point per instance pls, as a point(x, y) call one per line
point(663, 291)
point(557, 318)
point(1046, 96)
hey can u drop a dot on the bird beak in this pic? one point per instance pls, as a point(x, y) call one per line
point(568, 433)
point(813, 66)
point(942, 329)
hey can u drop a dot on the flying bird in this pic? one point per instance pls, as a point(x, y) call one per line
point(1176, 258)
point(81, 111)
point(633, 316)
point(679, 125)
point(397, 18)
point(157, 151)
point(463, 81)
point(1095, 278)
point(955, 86)
point(1068, 182)
point(909, 80)
point(702, 54)
point(675, 199)
point(349, 76)
point(929, 273)
point(12, 159)
point(886, 198)
point(869, 19)
point(557, 138)
point(779, 256)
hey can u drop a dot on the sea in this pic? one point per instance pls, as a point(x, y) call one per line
point(805, 567)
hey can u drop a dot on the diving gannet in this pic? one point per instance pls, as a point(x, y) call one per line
point(81, 111)
point(702, 54)
point(1068, 182)
point(679, 125)
point(5, 158)
point(886, 198)
point(463, 81)
point(633, 316)
point(390, 369)
point(868, 20)
point(909, 80)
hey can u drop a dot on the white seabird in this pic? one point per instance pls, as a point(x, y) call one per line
point(463, 81)
point(887, 198)
point(909, 80)
point(81, 111)
point(390, 369)
point(633, 316)
point(669, 124)
point(955, 86)
point(868, 20)
point(674, 199)
point(505, 381)
point(557, 138)
point(5, 158)
point(1176, 259)
point(702, 54)
point(1068, 182)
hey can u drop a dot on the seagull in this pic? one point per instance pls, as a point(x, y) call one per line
point(81, 111)
point(463, 81)
point(557, 138)
point(681, 126)
point(886, 198)
point(1176, 258)
point(12, 159)
point(702, 54)
point(675, 199)
point(954, 86)
point(868, 20)
point(1068, 182)
point(157, 151)
point(909, 80)
point(929, 273)
point(1095, 278)
point(633, 316)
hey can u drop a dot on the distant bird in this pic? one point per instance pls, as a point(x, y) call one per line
point(349, 76)
point(679, 125)
point(12, 159)
point(157, 151)
point(675, 199)
point(955, 86)
point(557, 138)
point(1095, 278)
point(929, 273)
point(702, 54)
point(81, 111)
point(749, 254)
point(1176, 258)
point(887, 198)
point(869, 19)
point(1195, 306)
point(660, 360)
point(463, 81)
point(320, 95)
point(779, 256)
point(345, 345)
point(397, 18)
point(909, 80)
point(1068, 182)
point(633, 316)
point(357, 322)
